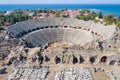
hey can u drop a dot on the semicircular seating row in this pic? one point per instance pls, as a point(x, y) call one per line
point(31, 25)
point(26, 27)
point(46, 36)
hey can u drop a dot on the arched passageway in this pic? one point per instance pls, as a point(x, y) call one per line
point(47, 58)
point(75, 60)
point(104, 59)
point(113, 62)
point(57, 60)
point(92, 59)
point(81, 59)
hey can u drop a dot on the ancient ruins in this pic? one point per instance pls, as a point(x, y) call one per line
point(60, 49)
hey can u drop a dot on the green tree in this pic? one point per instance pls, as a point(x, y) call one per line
point(109, 19)
point(100, 15)
point(57, 14)
point(1, 28)
point(119, 17)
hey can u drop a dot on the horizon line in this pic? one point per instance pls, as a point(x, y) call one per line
point(64, 4)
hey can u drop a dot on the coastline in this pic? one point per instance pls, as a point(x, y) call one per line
point(105, 8)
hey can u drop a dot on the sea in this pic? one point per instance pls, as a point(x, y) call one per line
point(104, 8)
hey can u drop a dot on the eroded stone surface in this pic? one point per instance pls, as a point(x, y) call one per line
point(60, 44)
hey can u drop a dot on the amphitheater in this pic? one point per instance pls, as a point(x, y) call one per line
point(63, 49)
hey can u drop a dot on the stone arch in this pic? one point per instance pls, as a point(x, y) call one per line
point(79, 27)
point(56, 26)
point(84, 29)
point(46, 26)
point(96, 33)
point(75, 27)
point(75, 60)
point(88, 29)
point(51, 26)
point(118, 62)
point(92, 59)
point(41, 59)
point(28, 44)
point(33, 29)
point(29, 31)
point(23, 32)
point(37, 28)
point(81, 59)
point(57, 60)
point(70, 26)
point(46, 46)
point(113, 62)
point(42, 27)
point(100, 45)
point(19, 35)
point(109, 46)
point(92, 32)
point(103, 59)
point(47, 58)
point(65, 26)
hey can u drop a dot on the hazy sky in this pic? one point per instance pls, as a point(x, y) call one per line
point(59, 1)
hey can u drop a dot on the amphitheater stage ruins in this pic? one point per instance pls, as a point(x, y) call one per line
point(60, 49)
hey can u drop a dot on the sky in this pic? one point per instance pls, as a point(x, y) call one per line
point(59, 1)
